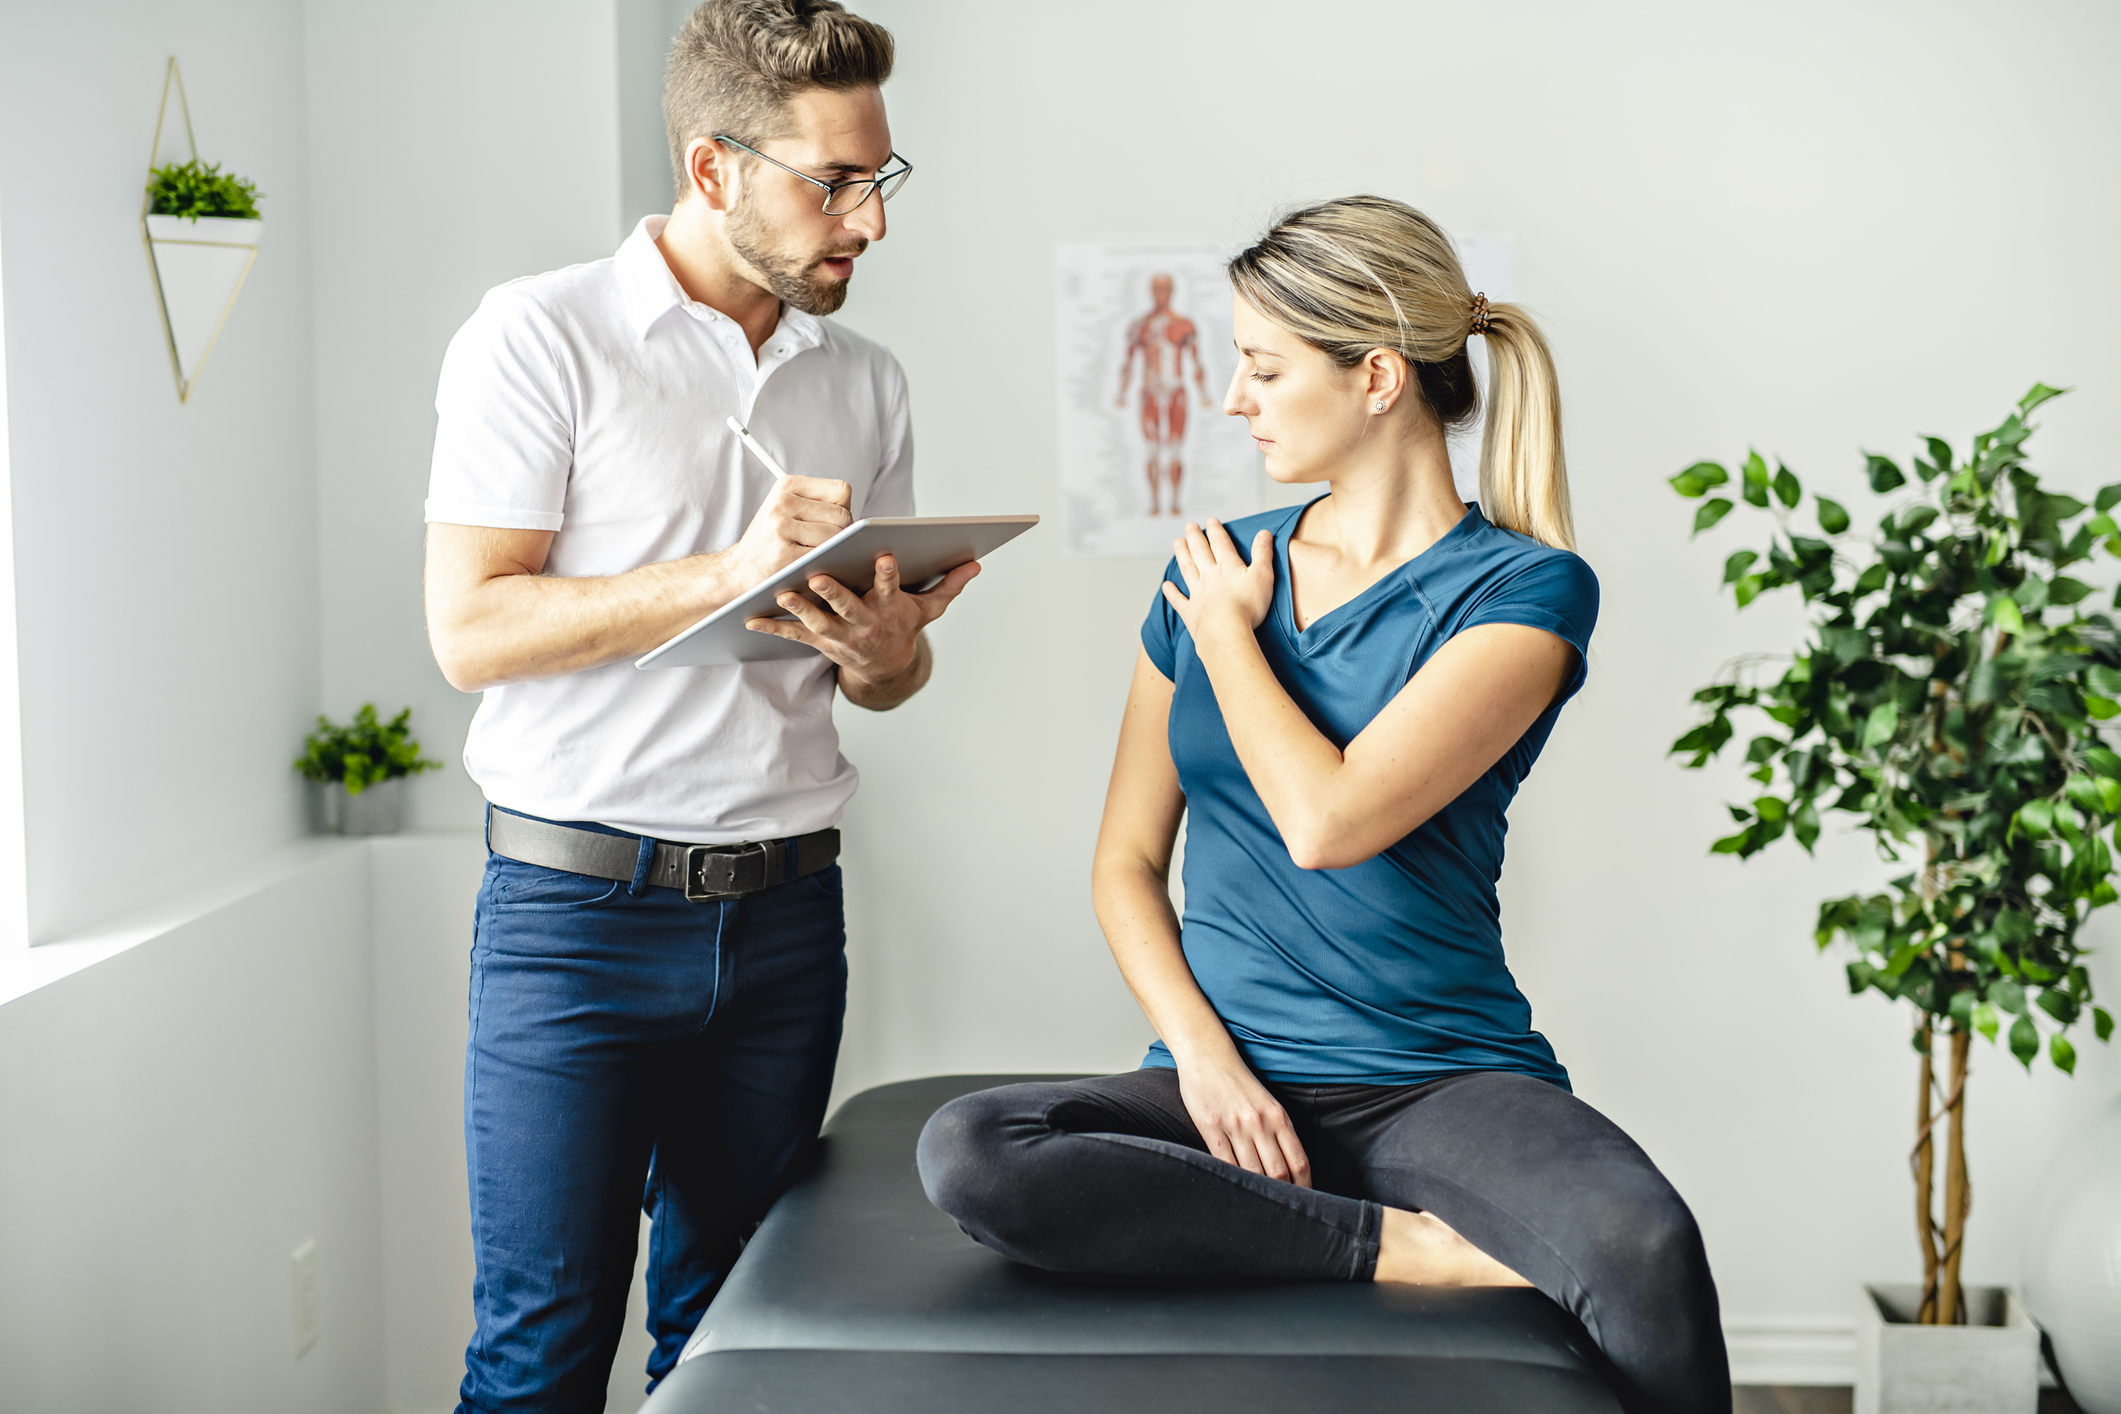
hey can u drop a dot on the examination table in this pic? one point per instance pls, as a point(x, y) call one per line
point(857, 1297)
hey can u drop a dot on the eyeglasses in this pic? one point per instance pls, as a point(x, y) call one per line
point(840, 197)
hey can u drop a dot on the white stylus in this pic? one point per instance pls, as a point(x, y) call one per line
point(756, 450)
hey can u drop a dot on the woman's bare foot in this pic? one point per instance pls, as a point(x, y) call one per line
point(1424, 1250)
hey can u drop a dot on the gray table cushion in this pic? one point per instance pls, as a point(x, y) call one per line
point(855, 1283)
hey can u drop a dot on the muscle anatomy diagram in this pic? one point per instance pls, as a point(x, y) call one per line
point(1161, 342)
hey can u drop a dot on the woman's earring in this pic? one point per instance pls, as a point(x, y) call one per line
point(1379, 405)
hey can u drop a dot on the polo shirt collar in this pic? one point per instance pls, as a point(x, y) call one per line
point(650, 291)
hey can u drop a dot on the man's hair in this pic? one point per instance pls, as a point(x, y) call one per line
point(736, 63)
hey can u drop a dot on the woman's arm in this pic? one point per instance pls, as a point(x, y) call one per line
point(1130, 885)
point(1454, 719)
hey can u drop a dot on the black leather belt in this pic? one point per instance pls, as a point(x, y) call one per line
point(707, 873)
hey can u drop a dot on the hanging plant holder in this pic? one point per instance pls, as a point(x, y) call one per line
point(199, 263)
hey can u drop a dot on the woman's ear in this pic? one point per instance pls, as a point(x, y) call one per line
point(1385, 378)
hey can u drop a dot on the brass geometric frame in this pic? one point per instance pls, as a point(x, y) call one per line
point(172, 78)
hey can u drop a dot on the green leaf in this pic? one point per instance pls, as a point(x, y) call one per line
point(2040, 393)
point(1940, 452)
point(2025, 1041)
point(1805, 825)
point(1697, 479)
point(1879, 727)
point(1747, 589)
point(2102, 1022)
point(2062, 1053)
point(1986, 1021)
point(2105, 762)
point(2107, 496)
point(2104, 680)
point(2003, 613)
point(1872, 580)
point(1833, 518)
point(1787, 490)
point(1710, 513)
point(1755, 475)
point(1736, 566)
point(2064, 590)
point(2007, 995)
point(1884, 475)
point(2036, 817)
point(1771, 808)
point(2101, 708)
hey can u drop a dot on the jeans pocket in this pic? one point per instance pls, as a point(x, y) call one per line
point(516, 885)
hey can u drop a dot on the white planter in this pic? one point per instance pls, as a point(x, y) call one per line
point(1989, 1366)
point(377, 810)
point(199, 268)
point(2072, 1267)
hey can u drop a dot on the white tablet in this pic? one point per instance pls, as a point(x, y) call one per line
point(927, 547)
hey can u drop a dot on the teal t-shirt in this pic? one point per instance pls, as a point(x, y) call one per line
point(1388, 972)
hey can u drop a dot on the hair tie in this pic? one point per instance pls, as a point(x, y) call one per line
point(1480, 316)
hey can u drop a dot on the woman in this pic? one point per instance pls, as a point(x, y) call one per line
point(1345, 696)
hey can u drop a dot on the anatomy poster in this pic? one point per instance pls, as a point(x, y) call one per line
point(1145, 358)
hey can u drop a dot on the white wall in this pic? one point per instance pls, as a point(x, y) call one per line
point(165, 554)
point(174, 1122)
point(1814, 228)
point(493, 130)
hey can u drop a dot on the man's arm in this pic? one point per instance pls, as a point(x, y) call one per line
point(494, 616)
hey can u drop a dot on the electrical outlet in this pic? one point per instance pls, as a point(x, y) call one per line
point(307, 1316)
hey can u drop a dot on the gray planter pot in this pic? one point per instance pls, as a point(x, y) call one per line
point(1989, 1366)
point(377, 810)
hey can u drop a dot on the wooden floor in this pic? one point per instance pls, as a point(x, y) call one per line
point(1840, 1399)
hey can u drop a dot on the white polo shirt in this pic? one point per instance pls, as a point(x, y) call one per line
point(592, 401)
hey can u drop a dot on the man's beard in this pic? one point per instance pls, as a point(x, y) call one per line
point(787, 276)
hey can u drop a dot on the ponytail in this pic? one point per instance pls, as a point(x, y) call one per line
point(1365, 273)
point(1524, 483)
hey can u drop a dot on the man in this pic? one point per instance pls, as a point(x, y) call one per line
point(658, 969)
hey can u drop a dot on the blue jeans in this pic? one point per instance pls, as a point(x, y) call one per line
point(621, 1035)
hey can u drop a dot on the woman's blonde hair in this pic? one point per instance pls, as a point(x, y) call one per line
point(1366, 272)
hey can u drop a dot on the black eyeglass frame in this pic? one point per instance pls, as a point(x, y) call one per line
point(897, 176)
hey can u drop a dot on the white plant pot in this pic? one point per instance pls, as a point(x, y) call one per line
point(377, 810)
point(199, 268)
point(1989, 1366)
point(2073, 1262)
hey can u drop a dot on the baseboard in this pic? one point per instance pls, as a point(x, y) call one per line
point(1791, 1353)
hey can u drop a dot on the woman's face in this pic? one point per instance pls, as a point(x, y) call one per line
point(1306, 412)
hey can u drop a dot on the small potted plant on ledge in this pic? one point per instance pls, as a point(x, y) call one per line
point(362, 769)
point(1951, 694)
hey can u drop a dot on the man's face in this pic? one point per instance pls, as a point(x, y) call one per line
point(777, 224)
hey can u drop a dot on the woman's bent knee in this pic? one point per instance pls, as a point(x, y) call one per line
point(963, 1157)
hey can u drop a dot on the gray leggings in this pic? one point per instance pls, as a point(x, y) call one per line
point(1109, 1176)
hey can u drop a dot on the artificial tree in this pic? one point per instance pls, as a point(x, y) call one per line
point(1949, 695)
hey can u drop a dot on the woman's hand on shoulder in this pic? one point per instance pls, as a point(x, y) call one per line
point(1223, 593)
point(1242, 1122)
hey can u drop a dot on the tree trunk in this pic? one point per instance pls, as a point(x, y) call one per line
point(1924, 1161)
point(1958, 1192)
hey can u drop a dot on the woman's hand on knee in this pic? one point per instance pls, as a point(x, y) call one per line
point(1243, 1123)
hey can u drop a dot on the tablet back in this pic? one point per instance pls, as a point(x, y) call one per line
point(927, 547)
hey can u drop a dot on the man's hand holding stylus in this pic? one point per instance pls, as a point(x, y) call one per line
point(875, 638)
point(800, 514)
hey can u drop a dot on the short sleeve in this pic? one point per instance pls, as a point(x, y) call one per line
point(1161, 629)
point(504, 431)
point(891, 493)
point(1557, 592)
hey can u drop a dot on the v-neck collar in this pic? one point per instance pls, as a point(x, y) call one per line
point(1309, 639)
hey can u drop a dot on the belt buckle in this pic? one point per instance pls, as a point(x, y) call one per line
point(751, 867)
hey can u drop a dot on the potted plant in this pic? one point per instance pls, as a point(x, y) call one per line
point(1949, 695)
point(202, 229)
point(362, 768)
